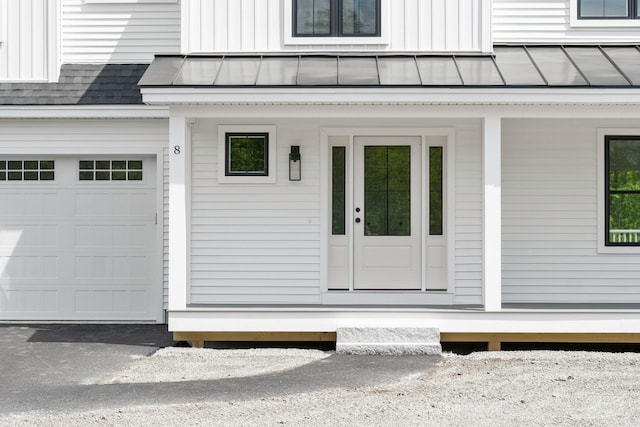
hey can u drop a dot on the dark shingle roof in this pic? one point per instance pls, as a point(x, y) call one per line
point(80, 84)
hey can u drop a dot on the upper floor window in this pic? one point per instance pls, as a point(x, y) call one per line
point(336, 18)
point(608, 9)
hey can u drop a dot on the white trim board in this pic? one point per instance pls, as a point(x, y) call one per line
point(83, 112)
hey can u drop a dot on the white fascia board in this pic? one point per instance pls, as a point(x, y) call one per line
point(83, 112)
point(446, 96)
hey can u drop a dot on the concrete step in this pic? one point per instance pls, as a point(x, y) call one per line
point(388, 341)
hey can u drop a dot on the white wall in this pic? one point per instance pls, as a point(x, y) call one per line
point(550, 217)
point(118, 32)
point(260, 243)
point(554, 21)
point(24, 40)
point(259, 26)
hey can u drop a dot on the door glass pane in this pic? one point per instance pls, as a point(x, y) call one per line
point(387, 190)
point(435, 191)
point(338, 195)
point(313, 17)
point(359, 17)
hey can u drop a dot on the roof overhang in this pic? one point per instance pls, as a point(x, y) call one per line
point(84, 112)
point(384, 96)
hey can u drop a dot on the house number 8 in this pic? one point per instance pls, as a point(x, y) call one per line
point(176, 149)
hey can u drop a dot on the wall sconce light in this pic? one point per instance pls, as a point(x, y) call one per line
point(295, 170)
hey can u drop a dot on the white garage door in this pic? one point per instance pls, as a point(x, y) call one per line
point(77, 238)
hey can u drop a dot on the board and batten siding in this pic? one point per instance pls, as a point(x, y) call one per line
point(260, 243)
point(118, 32)
point(24, 40)
point(259, 26)
point(549, 21)
point(549, 225)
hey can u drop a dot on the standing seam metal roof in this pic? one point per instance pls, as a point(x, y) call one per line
point(510, 66)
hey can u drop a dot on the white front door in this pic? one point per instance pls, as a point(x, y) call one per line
point(387, 206)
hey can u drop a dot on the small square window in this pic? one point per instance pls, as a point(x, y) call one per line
point(27, 170)
point(110, 170)
point(246, 154)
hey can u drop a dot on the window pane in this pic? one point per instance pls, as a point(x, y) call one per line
point(46, 176)
point(86, 175)
point(118, 175)
point(134, 164)
point(359, 17)
point(31, 175)
point(86, 164)
point(313, 17)
point(15, 176)
point(15, 165)
point(31, 165)
point(47, 164)
point(338, 195)
point(103, 176)
point(387, 190)
point(604, 8)
point(624, 164)
point(435, 191)
point(247, 154)
point(3, 176)
point(624, 218)
point(103, 164)
point(119, 164)
point(134, 175)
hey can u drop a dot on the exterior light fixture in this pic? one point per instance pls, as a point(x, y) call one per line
point(295, 170)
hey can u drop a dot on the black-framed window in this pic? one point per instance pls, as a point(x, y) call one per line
point(622, 190)
point(608, 9)
point(247, 154)
point(336, 18)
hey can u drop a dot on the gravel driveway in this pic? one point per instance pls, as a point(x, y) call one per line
point(535, 388)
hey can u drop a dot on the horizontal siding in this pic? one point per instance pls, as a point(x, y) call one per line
point(468, 215)
point(118, 32)
point(549, 203)
point(24, 51)
point(258, 26)
point(260, 243)
point(549, 21)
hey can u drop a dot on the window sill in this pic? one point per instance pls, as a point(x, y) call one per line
point(305, 41)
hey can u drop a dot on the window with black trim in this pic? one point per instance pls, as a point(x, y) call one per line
point(622, 190)
point(608, 9)
point(336, 18)
point(247, 154)
point(27, 170)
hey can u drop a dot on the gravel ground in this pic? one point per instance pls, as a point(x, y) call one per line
point(534, 388)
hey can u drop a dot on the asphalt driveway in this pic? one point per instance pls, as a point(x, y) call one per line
point(55, 368)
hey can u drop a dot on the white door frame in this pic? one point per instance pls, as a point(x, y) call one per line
point(386, 297)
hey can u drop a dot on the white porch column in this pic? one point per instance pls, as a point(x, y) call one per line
point(178, 261)
point(492, 213)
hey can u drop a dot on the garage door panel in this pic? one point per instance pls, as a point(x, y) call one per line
point(112, 236)
point(111, 267)
point(25, 204)
point(28, 236)
point(16, 267)
point(114, 204)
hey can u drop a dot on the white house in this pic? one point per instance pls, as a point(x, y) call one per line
point(293, 166)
